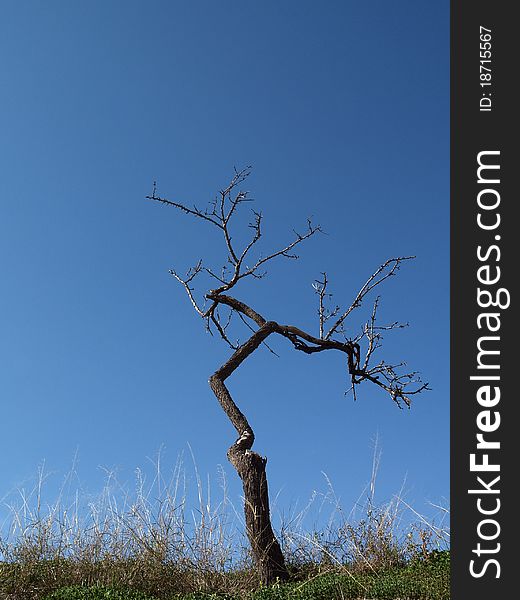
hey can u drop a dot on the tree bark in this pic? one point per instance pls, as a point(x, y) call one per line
point(266, 549)
point(250, 467)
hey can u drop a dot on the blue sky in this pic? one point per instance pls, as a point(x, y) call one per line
point(342, 109)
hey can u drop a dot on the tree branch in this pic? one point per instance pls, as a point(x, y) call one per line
point(285, 251)
point(383, 272)
point(189, 211)
point(192, 273)
point(220, 212)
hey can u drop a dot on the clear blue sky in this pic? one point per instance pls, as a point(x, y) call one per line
point(343, 110)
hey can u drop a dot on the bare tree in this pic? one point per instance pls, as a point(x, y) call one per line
point(218, 309)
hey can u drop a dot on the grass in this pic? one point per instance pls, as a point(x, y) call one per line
point(147, 546)
point(427, 579)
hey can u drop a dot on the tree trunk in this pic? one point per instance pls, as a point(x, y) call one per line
point(250, 467)
point(268, 555)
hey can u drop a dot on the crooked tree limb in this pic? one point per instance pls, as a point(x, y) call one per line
point(250, 466)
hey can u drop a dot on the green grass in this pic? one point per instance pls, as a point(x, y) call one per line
point(96, 593)
point(426, 579)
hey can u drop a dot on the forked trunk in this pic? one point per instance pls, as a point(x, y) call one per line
point(249, 465)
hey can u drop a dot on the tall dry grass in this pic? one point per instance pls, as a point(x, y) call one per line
point(150, 538)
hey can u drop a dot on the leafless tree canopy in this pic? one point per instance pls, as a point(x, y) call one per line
point(219, 306)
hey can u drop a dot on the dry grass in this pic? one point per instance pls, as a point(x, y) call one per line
point(149, 540)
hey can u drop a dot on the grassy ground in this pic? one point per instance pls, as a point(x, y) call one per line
point(148, 546)
point(425, 579)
